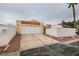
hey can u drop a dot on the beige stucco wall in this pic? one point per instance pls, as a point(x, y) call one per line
point(61, 32)
point(7, 36)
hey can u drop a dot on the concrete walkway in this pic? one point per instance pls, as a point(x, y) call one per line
point(34, 41)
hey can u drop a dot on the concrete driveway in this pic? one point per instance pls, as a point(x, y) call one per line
point(35, 40)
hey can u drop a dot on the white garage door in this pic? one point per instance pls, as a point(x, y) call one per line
point(31, 30)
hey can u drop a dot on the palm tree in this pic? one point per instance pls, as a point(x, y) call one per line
point(73, 9)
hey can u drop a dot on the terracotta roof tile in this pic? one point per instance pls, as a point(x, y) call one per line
point(32, 22)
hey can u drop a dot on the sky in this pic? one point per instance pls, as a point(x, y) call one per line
point(48, 13)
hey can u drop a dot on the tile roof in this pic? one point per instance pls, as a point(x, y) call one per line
point(32, 22)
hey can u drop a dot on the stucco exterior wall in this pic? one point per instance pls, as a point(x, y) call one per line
point(7, 36)
point(61, 32)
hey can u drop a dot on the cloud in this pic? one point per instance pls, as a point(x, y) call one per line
point(45, 12)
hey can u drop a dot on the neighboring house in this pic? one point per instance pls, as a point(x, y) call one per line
point(29, 27)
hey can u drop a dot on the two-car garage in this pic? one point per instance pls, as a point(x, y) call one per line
point(31, 29)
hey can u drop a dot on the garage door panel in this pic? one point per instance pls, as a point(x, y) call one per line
point(31, 30)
